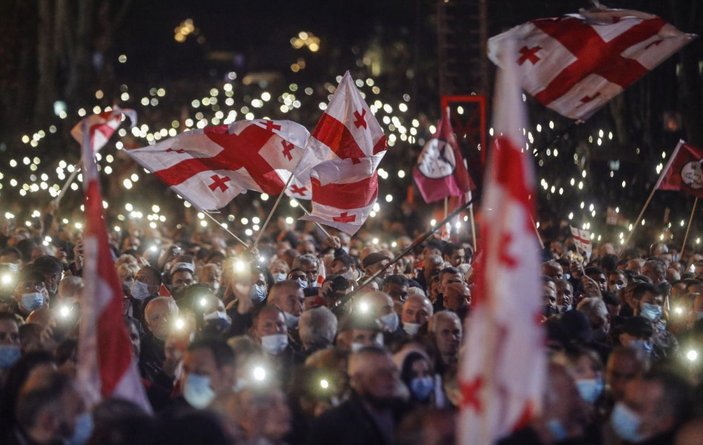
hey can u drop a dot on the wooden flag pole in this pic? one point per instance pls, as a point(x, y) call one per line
point(319, 226)
point(273, 209)
point(76, 170)
point(473, 226)
point(639, 217)
point(539, 237)
point(688, 227)
point(226, 229)
point(446, 206)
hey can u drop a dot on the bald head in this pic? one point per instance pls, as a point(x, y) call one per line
point(158, 314)
point(417, 309)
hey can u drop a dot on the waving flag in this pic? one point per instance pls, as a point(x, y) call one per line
point(210, 167)
point(106, 365)
point(577, 63)
point(582, 241)
point(503, 362)
point(440, 171)
point(683, 171)
point(102, 126)
point(341, 160)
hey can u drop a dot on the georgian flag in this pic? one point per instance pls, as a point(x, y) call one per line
point(106, 365)
point(503, 361)
point(210, 167)
point(576, 63)
point(102, 126)
point(683, 171)
point(582, 241)
point(341, 158)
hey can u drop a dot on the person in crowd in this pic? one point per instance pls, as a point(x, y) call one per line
point(160, 316)
point(208, 368)
point(317, 329)
point(445, 331)
point(288, 296)
point(416, 312)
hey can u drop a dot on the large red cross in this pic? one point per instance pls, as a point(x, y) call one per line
point(360, 119)
point(219, 182)
point(503, 255)
point(344, 217)
point(594, 55)
point(298, 190)
point(583, 240)
point(242, 150)
point(530, 54)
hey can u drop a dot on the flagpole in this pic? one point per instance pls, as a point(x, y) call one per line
point(319, 226)
point(688, 227)
point(419, 240)
point(446, 206)
point(539, 238)
point(225, 229)
point(656, 187)
point(273, 209)
point(473, 226)
point(76, 170)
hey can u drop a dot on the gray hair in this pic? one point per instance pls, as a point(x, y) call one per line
point(317, 327)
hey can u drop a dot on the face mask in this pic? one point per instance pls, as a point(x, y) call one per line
point(411, 328)
point(557, 430)
point(589, 389)
point(422, 387)
point(278, 277)
point(197, 390)
point(291, 320)
point(566, 308)
point(82, 430)
point(389, 322)
point(9, 354)
point(258, 293)
point(642, 345)
point(215, 286)
point(651, 311)
point(302, 282)
point(625, 423)
point(140, 290)
point(274, 344)
point(32, 301)
point(355, 347)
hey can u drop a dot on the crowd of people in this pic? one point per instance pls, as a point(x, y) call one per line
point(310, 339)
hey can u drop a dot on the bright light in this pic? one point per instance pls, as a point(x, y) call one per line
point(203, 302)
point(678, 310)
point(6, 279)
point(259, 373)
point(692, 355)
point(324, 384)
point(180, 323)
point(64, 311)
point(239, 266)
point(364, 307)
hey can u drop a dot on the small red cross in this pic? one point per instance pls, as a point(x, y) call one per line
point(180, 150)
point(287, 147)
point(344, 218)
point(360, 119)
point(219, 182)
point(587, 99)
point(503, 255)
point(270, 126)
point(299, 190)
point(470, 394)
point(530, 54)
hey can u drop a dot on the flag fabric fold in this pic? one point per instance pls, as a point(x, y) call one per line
point(441, 171)
point(101, 126)
point(683, 171)
point(341, 159)
point(106, 365)
point(503, 362)
point(209, 167)
point(576, 63)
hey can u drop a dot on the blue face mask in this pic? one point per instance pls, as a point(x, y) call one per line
point(651, 312)
point(590, 389)
point(197, 390)
point(82, 430)
point(626, 423)
point(422, 387)
point(258, 293)
point(32, 301)
point(9, 354)
point(557, 430)
point(643, 345)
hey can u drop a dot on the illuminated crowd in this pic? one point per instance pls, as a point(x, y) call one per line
point(310, 339)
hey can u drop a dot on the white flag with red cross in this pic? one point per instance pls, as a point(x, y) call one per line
point(341, 158)
point(576, 63)
point(210, 167)
point(503, 361)
point(102, 126)
point(582, 241)
point(106, 365)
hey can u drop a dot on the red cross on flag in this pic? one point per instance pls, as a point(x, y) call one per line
point(683, 172)
point(582, 241)
point(210, 167)
point(340, 161)
point(503, 361)
point(106, 364)
point(102, 126)
point(576, 63)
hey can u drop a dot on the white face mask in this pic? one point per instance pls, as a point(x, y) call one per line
point(291, 320)
point(355, 347)
point(140, 290)
point(32, 301)
point(389, 322)
point(216, 315)
point(197, 390)
point(278, 277)
point(274, 344)
point(411, 328)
